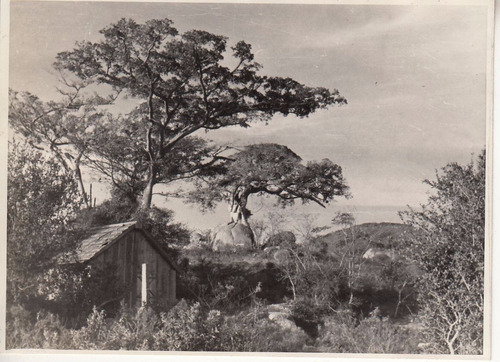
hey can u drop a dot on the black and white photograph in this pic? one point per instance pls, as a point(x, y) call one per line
point(297, 179)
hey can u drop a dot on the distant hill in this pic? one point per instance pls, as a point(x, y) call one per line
point(379, 235)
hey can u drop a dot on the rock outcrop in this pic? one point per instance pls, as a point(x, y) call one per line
point(281, 315)
point(234, 235)
point(379, 254)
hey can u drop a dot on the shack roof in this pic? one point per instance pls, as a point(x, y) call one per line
point(102, 237)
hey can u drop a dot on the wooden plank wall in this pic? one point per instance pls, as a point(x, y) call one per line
point(128, 254)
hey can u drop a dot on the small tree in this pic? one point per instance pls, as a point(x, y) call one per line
point(447, 242)
point(317, 284)
point(306, 227)
point(42, 200)
point(352, 251)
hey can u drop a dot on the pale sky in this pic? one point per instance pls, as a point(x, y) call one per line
point(414, 78)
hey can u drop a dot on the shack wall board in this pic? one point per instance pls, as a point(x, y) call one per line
point(126, 255)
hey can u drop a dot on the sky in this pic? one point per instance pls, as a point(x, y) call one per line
point(414, 78)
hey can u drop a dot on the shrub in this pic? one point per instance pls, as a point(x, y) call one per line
point(447, 242)
point(192, 328)
point(43, 330)
point(252, 331)
point(94, 334)
point(343, 333)
point(313, 275)
point(131, 330)
point(309, 315)
point(221, 281)
point(189, 328)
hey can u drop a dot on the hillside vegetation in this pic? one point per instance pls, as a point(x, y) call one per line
point(358, 289)
point(242, 300)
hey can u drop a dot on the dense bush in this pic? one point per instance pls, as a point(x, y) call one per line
point(131, 330)
point(42, 201)
point(252, 331)
point(229, 280)
point(343, 333)
point(313, 275)
point(25, 329)
point(282, 238)
point(118, 208)
point(448, 244)
point(187, 327)
point(230, 285)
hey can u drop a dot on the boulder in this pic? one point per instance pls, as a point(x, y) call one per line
point(379, 254)
point(281, 315)
point(233, 235)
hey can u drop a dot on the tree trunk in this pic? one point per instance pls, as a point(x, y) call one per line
point(73, 165)
point(147, 195)
point(78, 177)
point(239, 213)
point(290, 279)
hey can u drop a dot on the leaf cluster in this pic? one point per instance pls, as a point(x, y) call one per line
point(272, 169)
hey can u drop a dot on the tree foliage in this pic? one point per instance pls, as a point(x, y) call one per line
point(447, 242)
point(158, 222)
point(182, 84)
point(66, 128)
point(42, 201)
point(271, 169)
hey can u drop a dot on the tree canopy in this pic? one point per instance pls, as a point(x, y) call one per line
point(182, 83)
point(275, 170)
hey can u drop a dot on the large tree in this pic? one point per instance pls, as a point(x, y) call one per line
point(270, 169)
point(181, 84)
point(447, 242)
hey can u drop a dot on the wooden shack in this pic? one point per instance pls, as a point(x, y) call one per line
point(142, 265)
